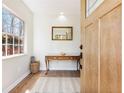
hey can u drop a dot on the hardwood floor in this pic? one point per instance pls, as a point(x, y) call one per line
point(30, 80)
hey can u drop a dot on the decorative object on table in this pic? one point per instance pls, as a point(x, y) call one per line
point(62, 53)
point(62, 33)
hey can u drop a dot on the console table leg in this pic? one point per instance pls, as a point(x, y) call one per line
point(46, 67)
point(77, 65)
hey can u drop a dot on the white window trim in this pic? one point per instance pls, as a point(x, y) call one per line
point(13, 56)
point(25, 48)
point(11, 11)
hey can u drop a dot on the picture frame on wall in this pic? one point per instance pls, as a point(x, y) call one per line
point(62, 33)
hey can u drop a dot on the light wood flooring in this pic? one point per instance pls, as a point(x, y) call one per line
point(30, 80)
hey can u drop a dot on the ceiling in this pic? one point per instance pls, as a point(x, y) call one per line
point(71, 7)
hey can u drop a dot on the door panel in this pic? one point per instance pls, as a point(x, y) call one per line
point(110, 56)
point(101, 71)
point(91, 58)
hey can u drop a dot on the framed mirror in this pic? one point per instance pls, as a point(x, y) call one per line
point(62, 33)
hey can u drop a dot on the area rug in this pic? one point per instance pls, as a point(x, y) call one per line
point(57, 85)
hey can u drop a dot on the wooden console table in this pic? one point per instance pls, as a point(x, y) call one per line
point(49, 58)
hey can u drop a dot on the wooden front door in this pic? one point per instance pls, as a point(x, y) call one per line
point(101, 32)
point(91, 58)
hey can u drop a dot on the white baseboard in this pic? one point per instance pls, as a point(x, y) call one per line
point(15, 83)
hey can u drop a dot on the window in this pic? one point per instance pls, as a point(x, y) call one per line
point(92, 5)
point(12, 34)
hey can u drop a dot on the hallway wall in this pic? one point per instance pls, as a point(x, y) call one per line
point(15, 69)
point(43, 45)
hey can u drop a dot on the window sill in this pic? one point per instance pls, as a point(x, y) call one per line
point(12, 56)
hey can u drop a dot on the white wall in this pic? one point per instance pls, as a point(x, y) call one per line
point(43, 45)
point(15, 69)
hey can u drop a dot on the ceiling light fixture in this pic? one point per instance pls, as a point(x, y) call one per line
point(61, 13)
